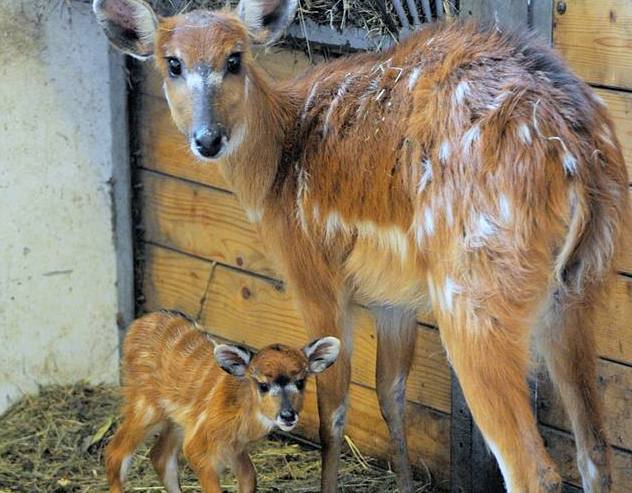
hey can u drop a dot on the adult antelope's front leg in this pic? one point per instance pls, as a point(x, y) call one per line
point(324, 306)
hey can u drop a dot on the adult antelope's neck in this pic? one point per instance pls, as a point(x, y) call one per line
point(251, 166)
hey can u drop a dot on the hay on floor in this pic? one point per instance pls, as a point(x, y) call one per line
point(54, 443)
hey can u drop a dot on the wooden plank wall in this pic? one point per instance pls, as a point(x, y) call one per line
point(202, 257)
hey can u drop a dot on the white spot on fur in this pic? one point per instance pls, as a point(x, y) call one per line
point(426, 175)
point(302, 182)
point(214, 78)
point(309, 101)
point(504, 469)
point(482, 228)
point(446, 299)
point(291, 388)
point(504, 206)
point(199, 422)
point(236, 139)
point(606, 135)
point(254, 215)
point(429, 225)
point(599, 100)
point(333, 223)
point(394, 239)
point(469, 138)
point(338, 420)
point(339, 95)
point(524, 133)
point(449, 214)
point(461, 91)
point(194, 81)
point(170, 479)
point(570, 163)
point(444, 151)
point(413, 77)
point(264, 421)
point(125, 465)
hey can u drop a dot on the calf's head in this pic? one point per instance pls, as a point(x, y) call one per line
point(277, 375)
point(204, 58)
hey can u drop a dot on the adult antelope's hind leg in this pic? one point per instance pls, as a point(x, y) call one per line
point(164, 457)
point(565, 339)
point(490, 358)
point(396, 337)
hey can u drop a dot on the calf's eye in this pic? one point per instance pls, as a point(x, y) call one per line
point(263, 387)
point(174, 66)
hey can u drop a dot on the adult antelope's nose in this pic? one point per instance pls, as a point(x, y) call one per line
point(208, 142)
point(288, 415)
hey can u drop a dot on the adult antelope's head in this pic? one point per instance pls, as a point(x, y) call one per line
point(205, 60)
point(277, 375)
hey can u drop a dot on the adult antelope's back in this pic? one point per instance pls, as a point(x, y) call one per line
point(466, 170)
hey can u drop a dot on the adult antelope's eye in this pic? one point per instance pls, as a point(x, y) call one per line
point(263, 387)
point(300, 384)
point(233, 64)
point(174, 66)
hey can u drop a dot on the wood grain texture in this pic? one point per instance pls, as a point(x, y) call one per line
point(615, 387)
point(562, 448)
point(619, 105)
point(595, 38)
point(202, 221)
point(255, 312)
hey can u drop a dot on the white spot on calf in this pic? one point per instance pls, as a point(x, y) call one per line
point(444, 151)
point(125, 464)
point(170, 479)
point(338, 420)
point(449, 214)
point(264, 421)
point(461, 91)
point(524, 133)
point(414, 76)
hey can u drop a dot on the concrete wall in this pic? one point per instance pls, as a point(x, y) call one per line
point(62, 148)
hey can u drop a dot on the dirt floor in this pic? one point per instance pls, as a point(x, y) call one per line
point(54, 443)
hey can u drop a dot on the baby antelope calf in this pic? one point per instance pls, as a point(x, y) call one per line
point(210, 400)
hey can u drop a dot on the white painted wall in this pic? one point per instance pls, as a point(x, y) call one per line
point(58, 264)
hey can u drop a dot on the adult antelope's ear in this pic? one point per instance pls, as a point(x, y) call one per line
point(267, 19)
point(232, 359)
point(321, 353)
point(130, 25)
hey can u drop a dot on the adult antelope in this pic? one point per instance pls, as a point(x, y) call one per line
point(466, 169)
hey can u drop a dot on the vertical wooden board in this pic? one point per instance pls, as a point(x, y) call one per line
point(509, 13)
point(596, 38)
point(428, 432)
point(561, 447)
point(202, 221)
point(613, 332)
point(619, 106)
point(615, 388)
point(253, 311)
